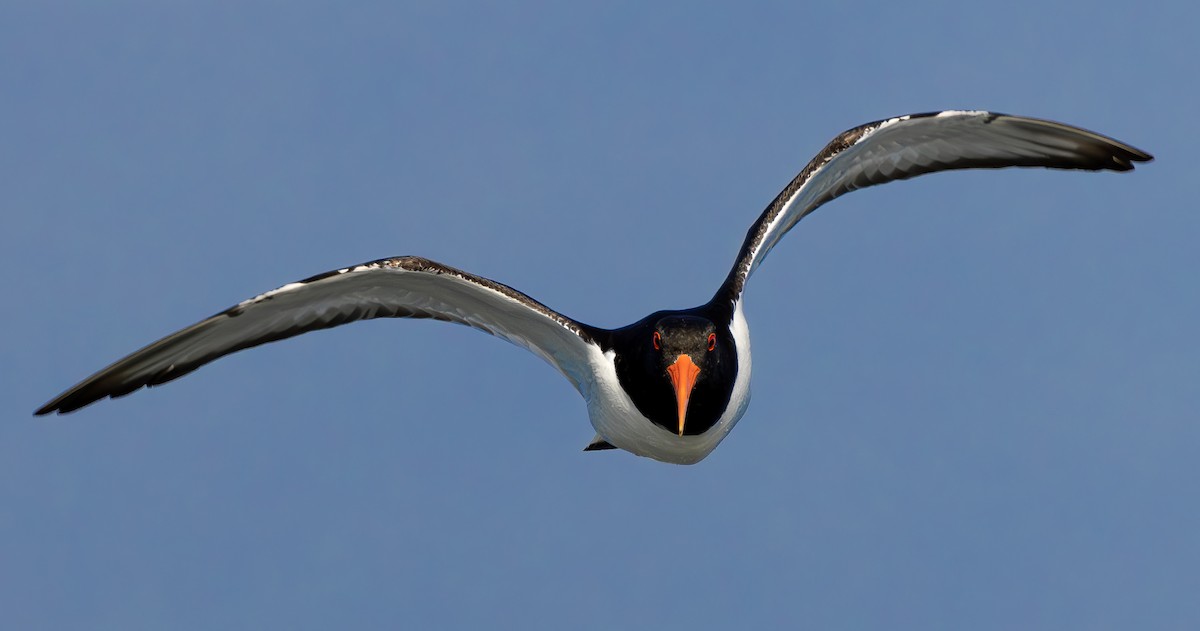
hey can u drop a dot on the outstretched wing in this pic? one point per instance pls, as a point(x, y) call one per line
point(403, 287)
point(908, 146)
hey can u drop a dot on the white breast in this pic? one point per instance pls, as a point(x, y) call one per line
point(618, 420)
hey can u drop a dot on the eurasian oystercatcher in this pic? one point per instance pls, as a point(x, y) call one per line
point(669, 386)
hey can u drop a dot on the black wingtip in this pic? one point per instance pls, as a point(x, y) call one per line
point(54, 405)
point(599, 445)
point(77, 398)
point(58, 406)
point(1126, 158)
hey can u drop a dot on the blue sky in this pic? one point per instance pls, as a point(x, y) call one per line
point(975, 394)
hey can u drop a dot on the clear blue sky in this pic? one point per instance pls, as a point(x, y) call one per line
point(975, 394)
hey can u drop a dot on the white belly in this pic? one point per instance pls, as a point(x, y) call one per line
point(618, 420)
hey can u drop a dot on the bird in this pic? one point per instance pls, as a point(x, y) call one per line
point(671, 385)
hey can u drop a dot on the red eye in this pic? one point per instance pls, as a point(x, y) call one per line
point(657, 339)
point(712, 341)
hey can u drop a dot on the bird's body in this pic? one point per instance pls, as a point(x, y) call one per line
point(670, 386)
point(651, 430)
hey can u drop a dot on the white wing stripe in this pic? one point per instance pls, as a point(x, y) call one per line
point(908, 146)
point(409, 287)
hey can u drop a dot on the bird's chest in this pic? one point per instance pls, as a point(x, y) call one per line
point(617, 418)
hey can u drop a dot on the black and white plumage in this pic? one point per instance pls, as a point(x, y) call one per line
point(669, 386)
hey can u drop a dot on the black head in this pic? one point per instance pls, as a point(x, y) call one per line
point(678, 369)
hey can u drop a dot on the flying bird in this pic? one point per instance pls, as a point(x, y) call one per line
point(669, 386)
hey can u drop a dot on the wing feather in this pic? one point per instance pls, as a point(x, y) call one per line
point(402, 287)
point(907, 146)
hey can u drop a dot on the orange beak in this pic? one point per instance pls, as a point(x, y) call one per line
point(683, 376)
